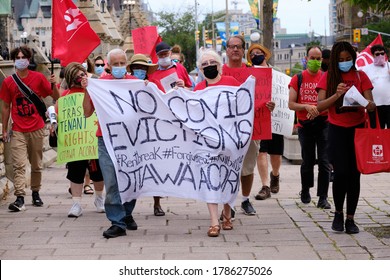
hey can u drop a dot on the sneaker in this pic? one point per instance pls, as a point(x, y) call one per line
point(323, 203)
point(99, 204)
point(75, 211)
point(130, 223)
point(18, 205)
point(264, 193)
point(247, 208)
point(338, 221)
point(36, 199)
point(305, 196)
point(351, 227)
point(274, 183)
point(114, 231)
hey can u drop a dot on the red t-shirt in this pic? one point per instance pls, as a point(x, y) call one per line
point(111, 77)
point(348, 119)
point(224, 81)
point(307, 93)
point(25, 115)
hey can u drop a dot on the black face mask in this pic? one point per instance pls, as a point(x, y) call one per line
point(210, 72)
point(258, 59)
point(324, 66)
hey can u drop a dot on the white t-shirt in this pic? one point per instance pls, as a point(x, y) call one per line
point(380, 79)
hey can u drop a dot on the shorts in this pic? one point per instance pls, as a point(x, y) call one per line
point(274, 146)
point(249, 164)
point(77, 170)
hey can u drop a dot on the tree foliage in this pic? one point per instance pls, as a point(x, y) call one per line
point(381, 26)
point(377, 6)
point(179, 28)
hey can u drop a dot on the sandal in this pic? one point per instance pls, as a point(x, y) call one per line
point(158, 211)
point(227, 223)
point(88, 190)
point(214, 231)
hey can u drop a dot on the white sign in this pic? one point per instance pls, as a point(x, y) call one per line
point(282, 118)
point(180, 144)
point(354, 98)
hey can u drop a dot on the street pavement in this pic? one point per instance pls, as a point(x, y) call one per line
point(282, 229)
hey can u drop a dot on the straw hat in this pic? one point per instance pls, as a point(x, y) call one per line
point(142, 59)
point(266, 52)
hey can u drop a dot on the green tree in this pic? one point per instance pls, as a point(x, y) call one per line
point(377, 6)
point(381, 26)
point(179, 28)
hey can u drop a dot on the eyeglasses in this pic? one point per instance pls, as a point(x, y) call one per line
point(207, 63)
point(100, 64)
point(232, 47)
point(256, 53)
point(379, 53)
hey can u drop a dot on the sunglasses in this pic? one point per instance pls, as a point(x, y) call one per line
point(379, 53)
point(98, 64)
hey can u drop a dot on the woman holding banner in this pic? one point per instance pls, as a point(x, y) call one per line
point(75, 74)
point(140, 67)
point(209, 63)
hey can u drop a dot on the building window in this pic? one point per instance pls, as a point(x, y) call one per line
point(43, 44)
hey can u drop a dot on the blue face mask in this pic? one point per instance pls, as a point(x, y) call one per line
point(99, 70)
point(345, 66)
point(139, 73)
point(118, 72)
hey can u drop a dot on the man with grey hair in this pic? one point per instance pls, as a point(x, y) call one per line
point(119, 214)
point(235, 51)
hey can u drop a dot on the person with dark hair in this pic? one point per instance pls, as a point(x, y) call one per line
point(312, 128)
point(325, 60)
point(75, 75)
point(163, 51)
point(343, 121)
point(99, 65)
point(28, 128)
point(379, 73)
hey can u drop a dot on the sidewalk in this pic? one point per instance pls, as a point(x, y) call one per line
point(283, 227)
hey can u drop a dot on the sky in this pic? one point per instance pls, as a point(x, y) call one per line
point(295, 15)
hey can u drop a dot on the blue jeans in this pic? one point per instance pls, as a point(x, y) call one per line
point(115, 210)
point(311, 135)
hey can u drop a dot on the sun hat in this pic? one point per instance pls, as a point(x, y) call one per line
point(266, 52)
point(142, 59)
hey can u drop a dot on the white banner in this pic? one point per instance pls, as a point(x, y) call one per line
point(282, 118)
point(180, 144)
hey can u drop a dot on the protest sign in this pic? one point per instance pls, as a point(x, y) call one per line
point(263, 90)
point(76, 134)
point(180, 144)
point(282, 117)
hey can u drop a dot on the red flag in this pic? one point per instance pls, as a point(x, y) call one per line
point(365, 57)
point(145, 40)
point(73, 39)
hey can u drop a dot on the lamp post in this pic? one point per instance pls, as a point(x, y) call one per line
point(291, 53)
point(23, 37)
point(128, 4)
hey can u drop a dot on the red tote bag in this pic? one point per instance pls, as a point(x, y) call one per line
point(372, 149)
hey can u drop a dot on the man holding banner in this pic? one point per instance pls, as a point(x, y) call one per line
point(119, 214)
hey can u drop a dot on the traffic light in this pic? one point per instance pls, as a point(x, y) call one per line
point(288, 71)
point(205, 35)
point(197, 35)
point(356, 35)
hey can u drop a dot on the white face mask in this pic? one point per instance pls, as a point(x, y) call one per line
point(21, 64)
point(85, 65)
point(165, 61)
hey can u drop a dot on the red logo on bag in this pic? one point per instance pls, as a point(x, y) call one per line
point(377, 151)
